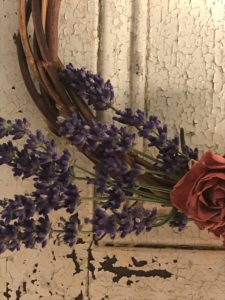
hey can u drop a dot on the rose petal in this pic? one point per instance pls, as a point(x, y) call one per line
point(213, 161)
point(200, 212)
point(216, 196)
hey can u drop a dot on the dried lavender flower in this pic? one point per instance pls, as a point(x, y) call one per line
point(135, 219)
point(129, 118)
point(179, 221)
point(70, 230)
point(20, 209)
point(128, 220)
point(7, 153)
point(104, 224)
point(94, 137)
point(9, 237)
point(90, 87)
point(16, 129)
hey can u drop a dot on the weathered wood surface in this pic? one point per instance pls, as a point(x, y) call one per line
point(165, 57)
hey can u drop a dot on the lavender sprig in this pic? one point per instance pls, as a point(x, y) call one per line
point(71, 230)
point(169, 157)
point(109, 144)
point(16, 129)
point(179, 221)
point(94, 137)
point(28, 232)
point(133, 219)
point(90, 87)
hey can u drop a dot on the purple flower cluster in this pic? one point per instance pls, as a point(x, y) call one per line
point(169, 156)
point(27, 232)
point(21, 208)
point(51, 173)
point(94, 137)
point(16, 129)
point(53, 183)
point(179, 221)
point(109, 144)
point(90, 87)
point(70, 230)
point(25, 219)
point(129, 118)
point(130, 219)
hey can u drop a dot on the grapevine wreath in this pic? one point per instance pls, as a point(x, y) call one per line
point(125, 179)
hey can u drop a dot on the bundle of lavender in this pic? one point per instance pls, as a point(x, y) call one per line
point(124, 178)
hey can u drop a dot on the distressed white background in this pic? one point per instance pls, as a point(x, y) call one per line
point(166, 57)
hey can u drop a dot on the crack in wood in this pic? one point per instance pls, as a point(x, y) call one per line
point(91, 267)
point(80, 241)
point(35, 268)
point(140, 263)
point(108, 266)
point(24, 286)
point(80, 296)
point(166, 246)
point(6, 294)
point(73, 256)
point(18, 294)
point(129, 282)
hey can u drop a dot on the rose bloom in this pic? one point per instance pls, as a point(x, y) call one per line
point(201, 193)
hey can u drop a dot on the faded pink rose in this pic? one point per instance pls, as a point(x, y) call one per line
point(200, 194)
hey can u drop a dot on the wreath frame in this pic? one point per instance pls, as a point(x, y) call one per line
point(41, 60)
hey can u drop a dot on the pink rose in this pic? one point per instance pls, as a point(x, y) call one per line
point(200, 194)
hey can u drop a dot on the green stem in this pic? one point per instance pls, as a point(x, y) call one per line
point(154, 188)
point(148, 196)
point(84, 170)
point(167, 218)
point(152, 200)
point(146, 155)
point(94, 198)
point(113, 108)
point(80, 178)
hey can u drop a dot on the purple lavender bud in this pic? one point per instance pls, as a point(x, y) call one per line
point(9, 237)
point(116, 196)
point(5, 127)
point(134, 219)
point(112, 166)
point(7, 153)
point(43, 228)
point(129, 118)
point(179, 221)
point(25, 164)
point(72, 198)
point(100, 182)
point(97, 138)
point(70, 230)
point(19, 128)
point(88, 86)
point(191, 153)
point(128, 179)
point(35, 231)
point(21, 208)
point(28, 236)
point(104, 224)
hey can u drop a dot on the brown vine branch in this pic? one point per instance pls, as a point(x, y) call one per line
point(24, 16)
point(39, 31)
point(44, 8)
point(54, 98)
point(52, 28)
point(50, 116)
